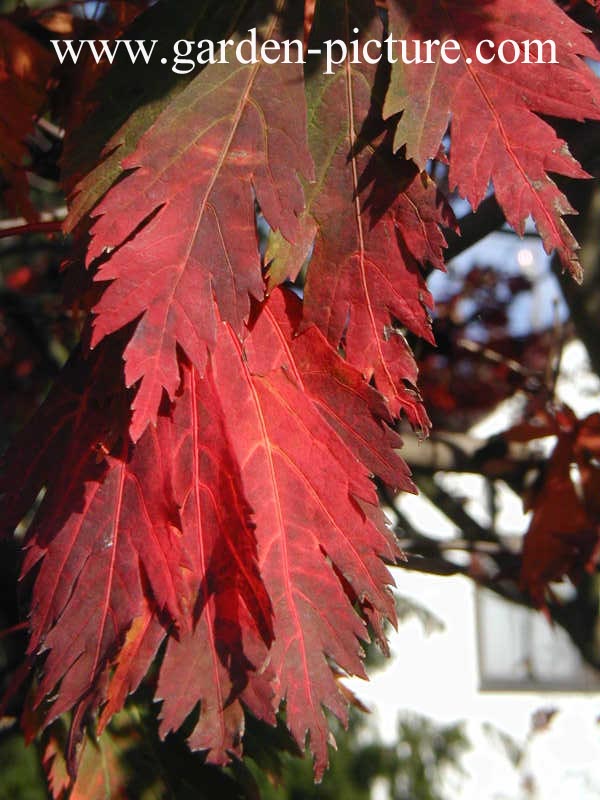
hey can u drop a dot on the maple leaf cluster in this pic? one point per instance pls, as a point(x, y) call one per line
point(207, 454)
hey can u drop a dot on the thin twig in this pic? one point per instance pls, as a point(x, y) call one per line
point(14, 629)
point(558, 346)
point(497, 358)
point(47, 226)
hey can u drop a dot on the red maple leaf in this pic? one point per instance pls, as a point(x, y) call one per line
point(193, 195)
point(106, 515)
point(225, 643)
point(562, 539)
point(497, 132)
point(315, 512)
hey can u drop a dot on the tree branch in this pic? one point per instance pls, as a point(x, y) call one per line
point(474, 227)
point(20, 228)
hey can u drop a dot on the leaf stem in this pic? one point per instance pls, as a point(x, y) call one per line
point(48, 226)
point(14, 629)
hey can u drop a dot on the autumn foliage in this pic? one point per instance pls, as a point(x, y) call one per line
point(247, 263)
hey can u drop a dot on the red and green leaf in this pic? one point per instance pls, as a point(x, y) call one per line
point(374, 219)
point(180, 231)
